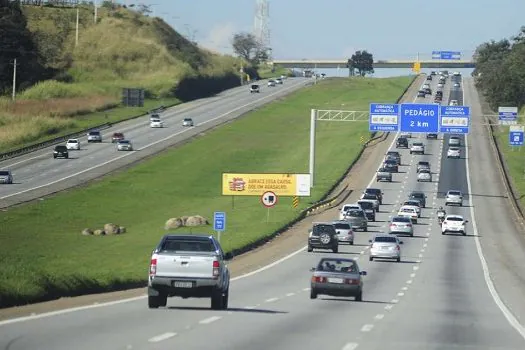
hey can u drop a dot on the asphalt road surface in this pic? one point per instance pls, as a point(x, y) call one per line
point(38, 174)
point(437, 297)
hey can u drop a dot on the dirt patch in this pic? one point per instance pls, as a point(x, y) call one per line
point(289, 241)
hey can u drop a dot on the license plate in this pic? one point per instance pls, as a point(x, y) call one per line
point(335, 280)
point(181, 284)
point(384, 248)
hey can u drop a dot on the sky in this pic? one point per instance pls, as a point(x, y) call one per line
point(335, 29)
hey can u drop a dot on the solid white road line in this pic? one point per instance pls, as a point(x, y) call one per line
point(486, 273)
point(162, 337)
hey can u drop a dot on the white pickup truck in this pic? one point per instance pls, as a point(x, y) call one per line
point(189, 266)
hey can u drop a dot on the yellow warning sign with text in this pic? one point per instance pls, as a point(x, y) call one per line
point(237, 184)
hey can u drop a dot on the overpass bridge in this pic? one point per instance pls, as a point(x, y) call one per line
point(320, 64)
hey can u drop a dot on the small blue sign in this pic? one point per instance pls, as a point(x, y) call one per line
point(417, 117)
point(454, 119)
point(508, 115)
point(516, 138)
point(446, 55)
point(384, 117)
point(219, 221)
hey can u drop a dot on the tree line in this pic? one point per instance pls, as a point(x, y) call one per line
point(500, 71)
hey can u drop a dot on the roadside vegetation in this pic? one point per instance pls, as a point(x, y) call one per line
point(43, 254)
point(500, 77)
point(61, 83)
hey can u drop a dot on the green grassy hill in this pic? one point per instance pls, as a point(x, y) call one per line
point(123, 49)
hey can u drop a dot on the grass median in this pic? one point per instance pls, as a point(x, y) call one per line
point(43, 255)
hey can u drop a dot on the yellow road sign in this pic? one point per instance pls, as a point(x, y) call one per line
point(416, 67)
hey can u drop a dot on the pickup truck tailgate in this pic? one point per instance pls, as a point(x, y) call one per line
point(181, 265)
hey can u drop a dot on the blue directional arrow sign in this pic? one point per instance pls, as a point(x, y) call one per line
point(384, 117)
point(219, 221)
point(454, 119)
point(416, 117)
point(516, 135)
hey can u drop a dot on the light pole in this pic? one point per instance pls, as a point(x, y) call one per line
point(95, 2)
point(76, 27)
point(14, 80)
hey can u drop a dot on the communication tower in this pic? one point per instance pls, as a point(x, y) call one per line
point(261, 28)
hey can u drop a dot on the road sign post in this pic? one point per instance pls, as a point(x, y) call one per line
point(295, 202)
point(516, 135)
point(219, 223)
point(419, 118)
point(383, 117)
point(508, 115)
point(269, 199)
point(454, 119)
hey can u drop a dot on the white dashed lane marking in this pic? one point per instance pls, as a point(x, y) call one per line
point(271, 300)
point(162, 337)
point(379, 316)
point(290, 294)
point(210, 319)
point(367, 328)
point(350, 346)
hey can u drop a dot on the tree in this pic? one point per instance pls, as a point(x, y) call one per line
point(246, 46)
point(363, 62)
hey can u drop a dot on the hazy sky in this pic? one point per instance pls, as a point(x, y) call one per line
point(335, 29)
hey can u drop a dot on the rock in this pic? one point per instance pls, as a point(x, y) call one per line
point(99, 233)
point(121, 229)
point(184, 219)
point(87, 232)
point(111, 229)
point(196, 220)
point(173, 223)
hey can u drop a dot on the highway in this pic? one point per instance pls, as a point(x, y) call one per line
point(438, 297)
point(38, 174)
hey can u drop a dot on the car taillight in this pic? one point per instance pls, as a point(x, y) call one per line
point(216, 266)
point(351, 281)
point(393, 225)
point(318, 279)
point(398, 247)
point(409, 225)
point(153, 267)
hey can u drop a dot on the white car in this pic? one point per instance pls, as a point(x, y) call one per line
point(413, 203)
point(94, 136)
point(279, 81)
point(454, 103)
point(454, 141)
point(418, 148)
point(441, 85)
point(187, 122)
point(73, 144)
point(424, 175)
point(124, 145)
point(347, 207)
point(454, 197)
point(454, 223)
point(408, 211)
point(425, 86)
point(456, 85)
point(271, 82)
point(454, 152)
point(156, 123)
point(345, 233)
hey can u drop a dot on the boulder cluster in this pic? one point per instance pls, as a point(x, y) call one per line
point(107, 230)
point(185, 221)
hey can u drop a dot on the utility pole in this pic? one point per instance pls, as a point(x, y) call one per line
point(14, 79)
point(96, 9)
point(76, 29)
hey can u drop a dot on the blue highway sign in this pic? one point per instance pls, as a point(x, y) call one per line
point(454, 119)
point(416, 117)
point(516, 135)
point(384, 117)
point(446, 55)
point(219, 221)
point(508, 115)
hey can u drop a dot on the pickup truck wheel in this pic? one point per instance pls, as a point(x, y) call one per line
point(313, 294)
point(225, 297)
point(310, 249)
point(153, 302)
point(216, 300)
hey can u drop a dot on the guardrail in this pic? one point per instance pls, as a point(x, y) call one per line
point(36, 146)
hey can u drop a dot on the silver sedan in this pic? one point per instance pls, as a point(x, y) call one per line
point(124, 145)
point(384, 246)
point(401, 225)
point(424, 175)
point(337, 277)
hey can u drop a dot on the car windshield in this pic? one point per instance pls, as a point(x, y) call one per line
point(255, 86)
point(156, 120)
point(417, 195)
point(187, 119)
point(454, 218)
point(417, 144)
point(322, 228)
point(187, 245)
point(385, 239)
point(454, 138)
point(424, 163)
point(72, 141)
point(424, 171)
point(337, 265)
point(383, 170)
point(453, 149)
point(366, 205)
point(375, 191)
point(454, 193)
point(413, 203)
point(60, 148)
point(393, 154)
point(124, 142)
point(369, 196)
point(407, 210)
point(354, 213)
point(4, 173)
point(390, 162)
point(94, 133)
point(401, 219)
point(342, 226)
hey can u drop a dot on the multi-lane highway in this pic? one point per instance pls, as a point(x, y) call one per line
point(439, 297)
point(38, 174)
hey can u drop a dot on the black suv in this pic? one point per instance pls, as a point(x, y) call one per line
point(429, 77)
point(369, 209)
point(420, 196)
point(323, 236)
point(432, 136)
point(61, 152)
point(394, 155)
point(402, 142)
